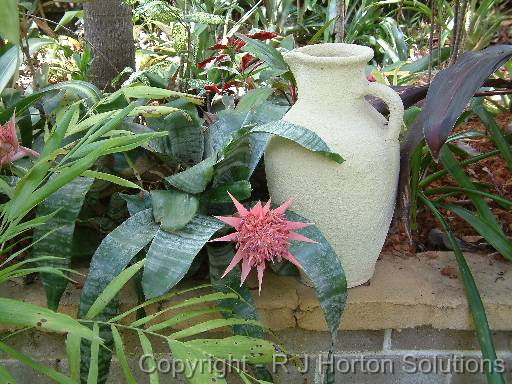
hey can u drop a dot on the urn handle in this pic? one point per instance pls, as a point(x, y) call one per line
point(394, 102)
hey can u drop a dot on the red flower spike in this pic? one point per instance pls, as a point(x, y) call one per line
point(10, 148)
point(262, 235)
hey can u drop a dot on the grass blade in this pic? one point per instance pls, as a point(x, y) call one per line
point(121, 356)
point(475, 302)
point(148, 350)
point(25, 360)
point(73, 354)
point(92, 377)
point(112, 289)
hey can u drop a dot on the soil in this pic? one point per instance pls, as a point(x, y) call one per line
point(492, 172)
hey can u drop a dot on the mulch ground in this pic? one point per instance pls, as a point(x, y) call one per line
point(492, 172)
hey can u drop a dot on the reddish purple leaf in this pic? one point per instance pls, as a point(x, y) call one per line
point(452, 89)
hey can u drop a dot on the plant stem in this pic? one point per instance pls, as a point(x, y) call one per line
point(437, 175)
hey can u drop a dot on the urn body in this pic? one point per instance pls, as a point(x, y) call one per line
point(351, 203)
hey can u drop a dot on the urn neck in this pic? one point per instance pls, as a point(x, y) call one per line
point(329, 71)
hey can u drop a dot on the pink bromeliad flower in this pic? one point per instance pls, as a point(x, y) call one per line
point(262, 235)
point(10, 149)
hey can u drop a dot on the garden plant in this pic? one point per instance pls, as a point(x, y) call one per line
point(133, 139)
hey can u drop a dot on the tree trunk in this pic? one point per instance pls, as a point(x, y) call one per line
point(339, 26)
point(109, 31)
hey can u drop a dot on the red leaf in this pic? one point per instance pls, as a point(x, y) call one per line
point(452, 89)
point(203, 63)
point(211, 88)
point(246, 59)
point(262, 35)
point(217, 47)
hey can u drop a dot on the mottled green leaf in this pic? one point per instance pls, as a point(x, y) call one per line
point(196, 178)
point(67, 203)
point(300, 135)
point(173, 209)
point(241, 190)
point(111, 258)
point(245, 307)
point(171, 254)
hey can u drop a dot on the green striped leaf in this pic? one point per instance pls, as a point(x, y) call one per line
point(73, 354)
point(193, 356)
point(8, 66)
point(112, 289)
point(194, 179)
point(67, 203)
point(148, 351)
point(5, 376)
point(501, 243)
point(494, 130)
point(256, 351)
point(153, 93)
point(111, 178)
point(300, 135)
point(171, 254)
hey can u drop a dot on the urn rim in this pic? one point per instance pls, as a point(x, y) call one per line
point(330, 53)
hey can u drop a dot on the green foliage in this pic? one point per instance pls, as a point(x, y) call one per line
point(10, 27)
point(66, 202)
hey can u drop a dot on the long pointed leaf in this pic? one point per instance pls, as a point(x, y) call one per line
point(112, 289)
point(121, 356)
point(299, 135)
point(111, 258)
point(171, 254)
point(67, 201)
point(48, 372)
point(452, 89)
point(474, 300)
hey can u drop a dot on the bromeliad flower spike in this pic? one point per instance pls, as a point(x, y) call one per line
point(10, 149)
point(262, 235)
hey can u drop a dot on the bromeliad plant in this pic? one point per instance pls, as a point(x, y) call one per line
point(172, 226)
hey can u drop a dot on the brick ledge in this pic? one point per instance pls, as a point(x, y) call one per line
point(404, 293)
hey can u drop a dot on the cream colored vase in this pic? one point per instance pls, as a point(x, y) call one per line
point(351, 203)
